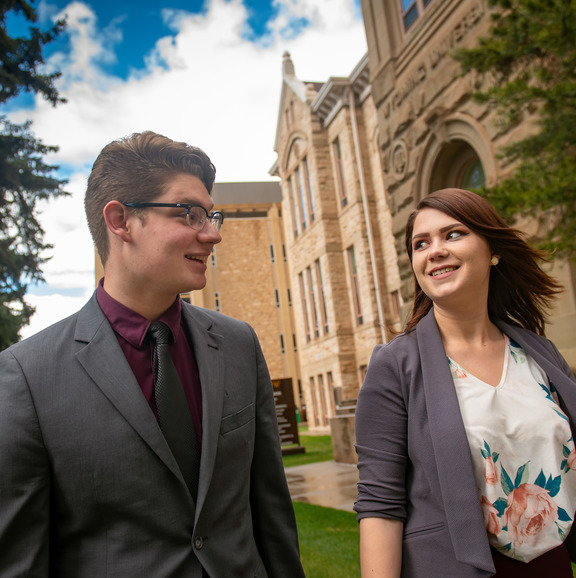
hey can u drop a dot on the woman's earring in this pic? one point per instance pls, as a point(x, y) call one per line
point(495, 260)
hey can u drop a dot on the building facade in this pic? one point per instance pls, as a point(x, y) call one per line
point(355, 155)
point(341, 254)
point(432, 134)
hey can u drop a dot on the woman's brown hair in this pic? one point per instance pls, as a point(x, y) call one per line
point(520, 291)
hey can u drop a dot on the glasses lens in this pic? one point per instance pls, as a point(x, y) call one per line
point(216, 220)
point(196, 217)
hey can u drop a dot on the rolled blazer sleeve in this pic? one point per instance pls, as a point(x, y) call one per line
point(382, 438)
point(24, 478)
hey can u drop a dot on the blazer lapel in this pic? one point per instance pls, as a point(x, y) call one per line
point(452, 452)
point(549, 359)
point(207, 346)
point(105, 363)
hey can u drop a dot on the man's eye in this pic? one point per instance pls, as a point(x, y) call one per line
point(195, 218)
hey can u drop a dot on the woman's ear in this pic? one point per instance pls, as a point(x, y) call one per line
point(116, 218)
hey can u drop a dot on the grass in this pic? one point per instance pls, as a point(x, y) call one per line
point(328, 541)
point(318, 449)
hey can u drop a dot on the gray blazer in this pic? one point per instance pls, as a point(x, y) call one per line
point(414, 458)
point(88, 486)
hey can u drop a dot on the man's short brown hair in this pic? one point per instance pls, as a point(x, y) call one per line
point(137, 168)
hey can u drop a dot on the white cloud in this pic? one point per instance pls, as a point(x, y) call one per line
point(206, 84)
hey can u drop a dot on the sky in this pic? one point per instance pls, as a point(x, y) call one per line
point(205, 72)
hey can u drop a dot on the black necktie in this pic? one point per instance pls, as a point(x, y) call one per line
point(173, 412)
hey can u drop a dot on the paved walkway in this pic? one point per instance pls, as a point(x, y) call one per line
point(324, 484)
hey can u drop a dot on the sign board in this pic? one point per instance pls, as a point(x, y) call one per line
point(286, 415)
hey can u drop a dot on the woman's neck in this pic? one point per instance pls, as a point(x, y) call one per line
point(473, 329)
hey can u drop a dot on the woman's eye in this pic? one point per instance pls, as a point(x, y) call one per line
point(419, 245)
point(455, 234)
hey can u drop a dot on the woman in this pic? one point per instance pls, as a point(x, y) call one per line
point(464, 443)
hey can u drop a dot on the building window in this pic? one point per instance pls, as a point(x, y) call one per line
point(321, 296)
point(339, 169)
point(217, 301)
point(312, 301)
point(284, 253)
point(277, 297)
point(395, 304)
point(289, 297)
point(354, 285)
point(472, 175)
point(457, 165)
point(302, 196)
point(213, 258)
point(308, 185)
point(272, 255)
point(304, 307)
point(282, 348)
point(295, 216)
point(412, 10)
point(294, 342)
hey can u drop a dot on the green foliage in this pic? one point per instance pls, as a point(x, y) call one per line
point(22, 57)
point(24, 178)
point(329, 541)
point(527, 65)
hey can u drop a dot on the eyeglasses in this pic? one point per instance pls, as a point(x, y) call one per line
point(196, 215)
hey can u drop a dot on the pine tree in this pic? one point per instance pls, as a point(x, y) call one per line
point(24, 178)
point(527, 68)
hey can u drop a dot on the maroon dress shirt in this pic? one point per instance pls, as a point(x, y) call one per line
point(132, 333)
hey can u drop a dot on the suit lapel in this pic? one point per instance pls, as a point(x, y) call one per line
point(105, 363)
point(207, 346)
point(452, 452)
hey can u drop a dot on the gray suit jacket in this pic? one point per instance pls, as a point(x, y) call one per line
point(414, 458)
point(88, 486)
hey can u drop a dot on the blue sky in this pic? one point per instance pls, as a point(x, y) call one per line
point(208, 73)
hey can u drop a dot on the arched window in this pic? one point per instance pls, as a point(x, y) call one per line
point(473, 176)
point(457, 165)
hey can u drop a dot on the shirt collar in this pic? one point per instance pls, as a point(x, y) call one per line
point(132, 326)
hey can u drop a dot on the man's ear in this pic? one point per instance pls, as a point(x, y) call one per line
point(116, 218)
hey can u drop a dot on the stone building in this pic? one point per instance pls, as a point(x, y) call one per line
point(431, 134)
point(247, 275)
point(341, 254)
point(354, 156)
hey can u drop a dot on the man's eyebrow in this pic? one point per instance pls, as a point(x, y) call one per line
point(442, 230)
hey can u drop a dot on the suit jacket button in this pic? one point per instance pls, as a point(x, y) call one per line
point(198, 542)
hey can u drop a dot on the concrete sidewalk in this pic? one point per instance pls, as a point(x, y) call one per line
point(327, 484)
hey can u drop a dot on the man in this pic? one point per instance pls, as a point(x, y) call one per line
point(90, 483)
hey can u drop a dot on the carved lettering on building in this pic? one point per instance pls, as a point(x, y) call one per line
point(413, 82)
point(455, 36)
point(436, 54)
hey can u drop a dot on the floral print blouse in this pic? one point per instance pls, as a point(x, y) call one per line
point(523, 455)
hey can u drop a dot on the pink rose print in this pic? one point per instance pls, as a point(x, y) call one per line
point(459, 373)
point(530, 511)
point(572, 460)
point(490, 516)
point(490, 472)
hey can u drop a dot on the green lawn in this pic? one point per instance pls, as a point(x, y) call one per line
point(328, 541)
point(318, 449)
